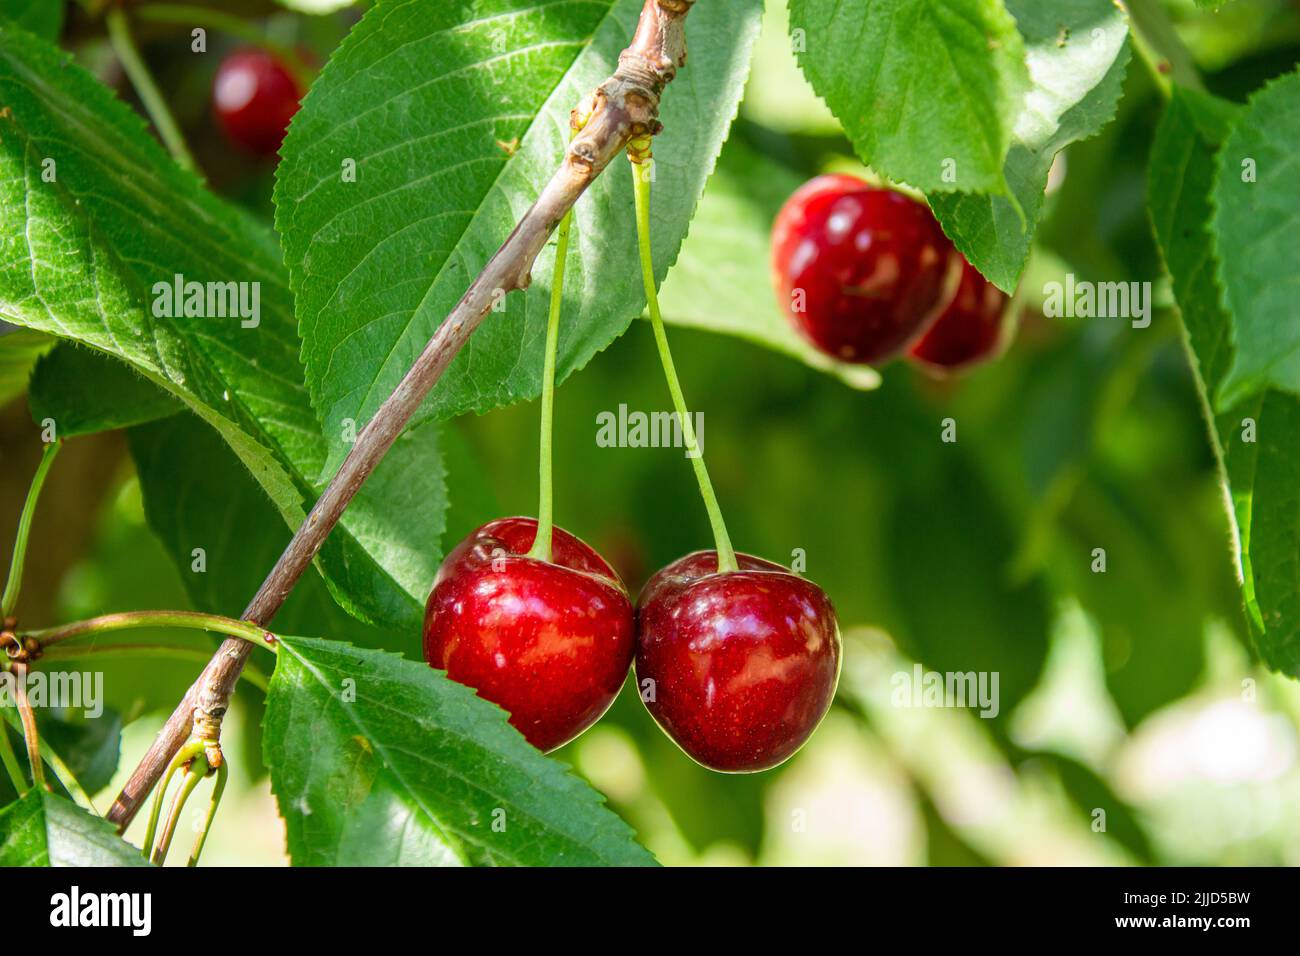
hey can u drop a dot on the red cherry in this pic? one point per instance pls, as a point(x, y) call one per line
point(255, 97)
point(744, 663)
point(549, 642)
point(969, 330)
point(873, 266)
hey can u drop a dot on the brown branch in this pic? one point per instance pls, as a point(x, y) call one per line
point(624, 106)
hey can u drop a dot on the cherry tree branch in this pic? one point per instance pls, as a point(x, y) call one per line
point(624, 106)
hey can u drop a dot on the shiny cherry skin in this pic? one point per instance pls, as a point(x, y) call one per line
point(859, 271)
point(254, 97)
point(969, 331)
point(744, 664)
point(549, 642)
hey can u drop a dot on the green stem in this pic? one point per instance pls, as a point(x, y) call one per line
point(190, 778)
point(119, 34)
point(190, 751)
point(218, 787)
point(10, 760)
point(9, 601)
point(541, 549)
point(128, 620)
point(186, 15)
point(641, 192)
point(31, 735)
point(196, 655)
point(1161, 48)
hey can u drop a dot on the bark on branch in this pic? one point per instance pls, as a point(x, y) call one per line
point(625, 106)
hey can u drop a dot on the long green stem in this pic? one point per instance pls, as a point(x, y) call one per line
point(190, 778)
point(641, 192)
point(119, 34)
point(190, 751)
point(218, 788)
point(9, 601)
point(10, 760)
point(128, 620)
point(541, 548)
point(197, 655)
point(192, 16)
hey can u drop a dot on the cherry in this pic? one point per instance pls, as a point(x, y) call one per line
point(255, 96)
point(744, 663)
point(873, 266)
point(970, 330)
point(548, 641)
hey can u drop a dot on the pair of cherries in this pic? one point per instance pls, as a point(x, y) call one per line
point(737, 667)
point(866, 274)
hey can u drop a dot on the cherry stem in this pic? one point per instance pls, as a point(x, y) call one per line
point(639, 151)
point(186, 15)
point(30, 733)
point(128, 620)
point(218, 787)
point(541, 549)
point(14, 584)
point(119, 34)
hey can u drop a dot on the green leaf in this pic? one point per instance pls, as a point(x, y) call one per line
point(85, 257)
point(42, 829)
point(722, 281)
point(42, 17)
point(223, 535)
point(89, 747)
point(84, 391)
point(19, 350)
point(455, 120)
point(918, 84)
point(1077, 52)
point(1257, 215)
point(1262, 476)
point(377, 760)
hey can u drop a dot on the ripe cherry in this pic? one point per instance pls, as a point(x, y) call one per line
point(254, 97)
point(550, 642)
point(860, 271)
point(969, 330)
point(743, 664)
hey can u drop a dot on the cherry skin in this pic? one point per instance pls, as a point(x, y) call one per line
point(549, 642)
point(254, 97)
point(873, 267)
point(969, 331)
point(744, 664)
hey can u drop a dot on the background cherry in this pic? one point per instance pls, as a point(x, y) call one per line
point(254, 96)
point(550, 642)
point(744, 663)
point(970, 330)
point(873, 265)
